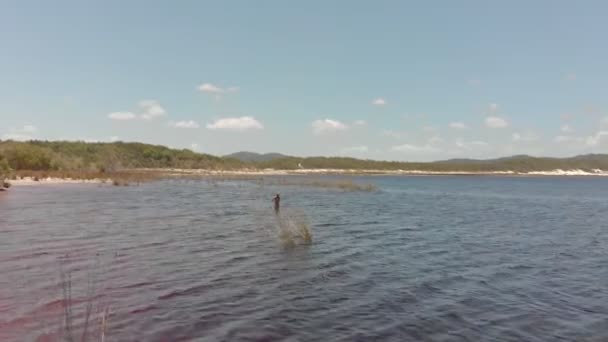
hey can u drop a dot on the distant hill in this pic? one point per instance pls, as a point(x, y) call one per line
point(457, 161)
point(520, 163)
point(104, 157)
point(255, 157)
point(473, 161)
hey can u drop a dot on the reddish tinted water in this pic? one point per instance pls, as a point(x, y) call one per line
point(434, 258)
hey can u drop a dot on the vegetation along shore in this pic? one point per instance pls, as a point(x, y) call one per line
point(123, 163)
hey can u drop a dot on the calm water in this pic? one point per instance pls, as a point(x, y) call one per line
point(422, 259)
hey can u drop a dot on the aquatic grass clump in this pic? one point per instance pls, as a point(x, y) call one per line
point(293, 229)
point(304, 232)
point(349, 185)
point(343, 184)
point(286, 237)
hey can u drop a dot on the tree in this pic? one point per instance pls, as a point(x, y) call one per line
point(5, 172)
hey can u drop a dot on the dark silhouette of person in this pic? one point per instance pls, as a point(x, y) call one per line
point(277, 203)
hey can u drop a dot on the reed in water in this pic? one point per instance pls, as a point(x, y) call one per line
point(293, 228)
point(93, 318)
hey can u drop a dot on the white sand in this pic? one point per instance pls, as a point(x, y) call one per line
point(273, 172)
point(28, 181)
point(560, 172)
point(42, 181)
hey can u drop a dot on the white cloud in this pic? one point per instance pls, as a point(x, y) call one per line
point(122, 116)
point(526, 137)
point(418, 116)
point(474, 82)
point(468, 145)
point(24, 133)
point(327, 126)
point(194, 147)
point(478, 143)
point(435, 140)
point(392, 134)
point(184, 124)
point(567, 138)
point(151, 109)
point(496, 122)
point(595, 139)
point(113, 138)
point(243, 123)
point(591, 141)
point(210, 88)
point(571, 76)
point(415, 148)
point(29, 129)
point(379, 101)
point(355, 149)
point(493, 107)
point(429, 129)
point(17, 136)
point(566, 128)
point(213, 89)
point(458, 125)
point(360, 123)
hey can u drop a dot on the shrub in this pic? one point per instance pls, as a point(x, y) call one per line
point(5, 171)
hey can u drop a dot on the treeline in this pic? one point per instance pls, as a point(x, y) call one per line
point(5, 171)
point(516, 164)
point(104, 157)
point(111, 157)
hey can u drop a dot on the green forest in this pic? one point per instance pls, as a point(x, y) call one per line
point(104, 157)
point(5, 171)
point(515, 163)
point(117, 156)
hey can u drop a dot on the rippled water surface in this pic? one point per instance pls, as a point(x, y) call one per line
point(421, 259)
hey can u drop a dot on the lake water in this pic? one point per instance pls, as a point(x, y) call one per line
point(421, 259)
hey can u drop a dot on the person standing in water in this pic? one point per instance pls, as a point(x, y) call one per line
point(277, 203)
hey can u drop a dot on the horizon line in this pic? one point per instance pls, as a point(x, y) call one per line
point(303, 157)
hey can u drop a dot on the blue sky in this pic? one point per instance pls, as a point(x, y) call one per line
point(398, 80)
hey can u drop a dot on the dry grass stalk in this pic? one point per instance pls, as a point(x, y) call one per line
point(68, 331)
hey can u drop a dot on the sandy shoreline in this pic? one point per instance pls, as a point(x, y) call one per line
point(320, 172)
point(29, 181)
